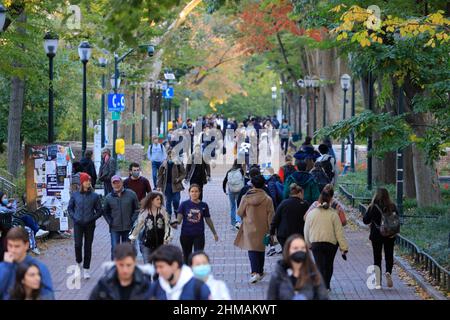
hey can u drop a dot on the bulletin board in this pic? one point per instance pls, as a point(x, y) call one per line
point(48, 174)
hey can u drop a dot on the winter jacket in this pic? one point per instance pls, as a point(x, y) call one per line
point(285, 171)
point(248, 186)
point(107, 170)
point(288, 219)
point(8, 278)
point(256, 211)
point(307, 152)
point(307, 182)
point(121, 212)
point(281, 287)
point(178, 174)
point(323, 225)
point(275, 190)
point(165, 226)
point(108, 286)
point(373, 217)
point(186, 288)
point(85, 207)
point(335, 204)
point(89, 167)
point(203, 171)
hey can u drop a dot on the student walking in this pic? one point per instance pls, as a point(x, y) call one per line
point(324, 234)
point(198, 171)
point(121, 209)
point(108, 169)
point(288, 168)
point(194, 213)
point(384, 225)
point(256, 211)
point(156, 153)
point(199, 263)
point(232, 185)
point(285, 132)
point(170, 182)
point(296, 276)
point(84, 208)
point(305, 180)
point(288, 219)
point(335, 204)
point(89, 167)
point(152, 228)
point(136, 182)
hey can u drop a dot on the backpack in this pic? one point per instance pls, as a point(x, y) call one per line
point(321, 178)
point(327, 168)
point(284, 132)
point(288, 170)
point(235, 180)
point(390, 223)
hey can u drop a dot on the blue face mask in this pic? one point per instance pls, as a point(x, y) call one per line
point(201, 271)
point(5, 202)
point(267, 177)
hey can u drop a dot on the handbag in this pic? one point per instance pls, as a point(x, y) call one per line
point(267, 240)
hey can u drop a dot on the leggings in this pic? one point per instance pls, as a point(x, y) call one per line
point(189, 242)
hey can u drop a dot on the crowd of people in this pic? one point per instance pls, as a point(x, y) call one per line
point(294, 208)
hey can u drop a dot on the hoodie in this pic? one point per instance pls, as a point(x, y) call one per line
point(186, 288)
point(307, 182)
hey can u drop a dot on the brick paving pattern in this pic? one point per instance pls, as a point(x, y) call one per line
point(229, 262)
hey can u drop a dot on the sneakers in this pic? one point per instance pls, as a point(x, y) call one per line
point(271, 251)
point(237, 225)
point(255, 278)
point(36, 251)
point(86, 274)
point(41, 233)
point(378, 287)
point(389, 281)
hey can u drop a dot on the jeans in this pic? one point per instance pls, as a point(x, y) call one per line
point(86, 232)
point(187, 242)
point(29, 222)
point(257, 261)
point(324, 253)
point(172, 198)
point(281, 241)
point(146, 252)
point(284, 144)
point(377, 246)
point(32, 239)
point(116, 238)
point(232, 197)
point(155, 168)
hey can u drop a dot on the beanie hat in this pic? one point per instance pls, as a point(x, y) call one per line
point(84, 177)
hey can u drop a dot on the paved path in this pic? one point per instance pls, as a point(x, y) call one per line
point(230, 263)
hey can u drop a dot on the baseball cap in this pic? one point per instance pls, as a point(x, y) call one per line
point(116, 178)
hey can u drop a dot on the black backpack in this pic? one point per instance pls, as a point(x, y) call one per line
point(327, 168)
point(288, 170)
point(390, 222)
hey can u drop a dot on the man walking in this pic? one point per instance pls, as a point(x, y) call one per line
point(108, 169)
point(305, 180)
point(139, 184)
point(120, 210)
point(156, 154)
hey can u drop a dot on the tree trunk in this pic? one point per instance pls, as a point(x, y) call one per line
point(15, 114)
point(409, 181)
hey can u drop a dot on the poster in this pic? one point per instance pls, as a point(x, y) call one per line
point(63, 224)
point(61, 173)
point(50, 167)
point(39, 171)
point(38, 152)
point(52, 151)
point(61, 160)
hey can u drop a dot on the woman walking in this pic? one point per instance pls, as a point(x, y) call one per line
point(256, 211)
point(194, 213)
point(28, 285)
point(381, 205)
point(335, 204)
point(324, 234)
point(288, 219)
point(198, 170)
point(232, 185)
point(296, 276)
point(152, 225)
point(84, 208)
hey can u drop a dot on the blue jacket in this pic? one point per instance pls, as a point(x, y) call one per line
point(8, 278)
point(194, 289)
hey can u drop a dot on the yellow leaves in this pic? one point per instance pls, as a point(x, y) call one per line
point(342, 36)
point(364, 42)
point(414, 138)
point(437, 18)
point(430, 43)
point(338, 8)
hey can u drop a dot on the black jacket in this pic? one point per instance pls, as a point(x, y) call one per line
point(288, 218)
point(108, 286)
point(198, 173)
point(281, 287)
point(84, 207)
point(89, 168)
point(121, 212)
point(373, 217)
point(107, 170)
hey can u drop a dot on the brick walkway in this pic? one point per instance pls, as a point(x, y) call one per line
point(230, 263)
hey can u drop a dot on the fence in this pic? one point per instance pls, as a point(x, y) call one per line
point(7, 187)
point(348, 190)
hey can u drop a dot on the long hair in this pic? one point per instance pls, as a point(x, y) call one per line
point(325, 199)
point(146, 203)
point(308, 271)
point(18, 291)
point(383, 200)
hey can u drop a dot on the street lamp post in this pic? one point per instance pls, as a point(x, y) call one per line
point(50, 46)
point(274, 96)
point(2, 17)
point(103, 62)
point(352, 159)
point(308, 85)
point(315, 85)
point(301, 84)
point(369, 138)
point(400, 161)
point(115, 84)
point(143, 116)
point(133, 127)
point(84, 51)
point(187, 107)
point(345, 84)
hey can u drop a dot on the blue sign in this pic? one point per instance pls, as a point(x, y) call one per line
point(116, 102)
point(168, 93)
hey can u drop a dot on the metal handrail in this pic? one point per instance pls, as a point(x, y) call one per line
point(438, 273)
point(6, 175)
point(7, 187)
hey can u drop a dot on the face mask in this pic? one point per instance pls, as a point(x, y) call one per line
point(201, 271)
point(267, 177)
point(135, 174)
point(5, 202)
point(299, 256)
